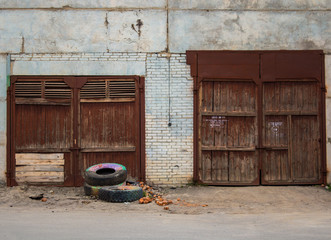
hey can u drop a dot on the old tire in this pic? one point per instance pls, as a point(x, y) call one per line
point(91, 190)
point(120, 193)
point(105, 174)
point(94, 190)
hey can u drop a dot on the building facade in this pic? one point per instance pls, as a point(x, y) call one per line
point(149, 42)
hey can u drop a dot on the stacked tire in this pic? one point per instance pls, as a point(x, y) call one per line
point(107, 182)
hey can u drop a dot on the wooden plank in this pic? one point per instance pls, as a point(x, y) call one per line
point(41, 180)
point(207, 96)
point(107, 100)
point(280, 113)
point(43, 101)
point(42, 150)
point(40, 162)
point(33, 156)
point(306, 161)
point(220, 131)
point(111, 149)
point(207, 131)
point(221, 148)
point(220, 167)
point(40, 174)
point(206, 165)
point(230, 114)
point(40, 168)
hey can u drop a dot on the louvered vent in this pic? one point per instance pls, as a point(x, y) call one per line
point(28, 89)
point(93, 89)
point(121, 89)
point(57, 89)
point(108, 89)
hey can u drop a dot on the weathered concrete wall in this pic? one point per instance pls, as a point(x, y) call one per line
point(284, 5)
point(219, 30)
point(3, 116)
point(173, 4)
point(39, 31)
point(79, 64)
point(178, 26)
point(122, 4)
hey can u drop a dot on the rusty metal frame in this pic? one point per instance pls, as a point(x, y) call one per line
point(75, 82)
point(193, 61)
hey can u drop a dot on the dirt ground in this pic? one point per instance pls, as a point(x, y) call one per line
point(193, 200)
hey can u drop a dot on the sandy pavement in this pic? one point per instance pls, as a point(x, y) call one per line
point(193, 200)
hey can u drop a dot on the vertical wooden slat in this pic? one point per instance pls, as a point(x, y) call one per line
point(207, 97)
point(207, 165)
point(305, 151)
point(220, 166)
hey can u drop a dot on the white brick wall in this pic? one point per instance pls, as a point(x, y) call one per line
point(169, 150)
point(114, 56)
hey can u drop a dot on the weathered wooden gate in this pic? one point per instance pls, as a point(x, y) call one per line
point(59, 126)
point(259, 117)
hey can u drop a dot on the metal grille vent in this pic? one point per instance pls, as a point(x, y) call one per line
point(57, 89)
point(121, 89)
point(28, 89)
point(108, 89)
point(93, 89)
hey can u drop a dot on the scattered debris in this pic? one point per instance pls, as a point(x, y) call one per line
point(145, 200)
point(44, 199)
point(152, 195)
point(37, 197)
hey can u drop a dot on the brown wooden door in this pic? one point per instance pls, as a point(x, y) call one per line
point(62, 125)
point(259, 117)
point(40, 131)
point(292, 118)
point(228, 119)
point(228, 125)
point(110, 123)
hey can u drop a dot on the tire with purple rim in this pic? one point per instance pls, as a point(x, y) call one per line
point(105, 174)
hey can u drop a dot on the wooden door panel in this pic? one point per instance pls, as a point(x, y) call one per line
point(291, 124)
point(234, 97)
point(276, 166)
point(42, 127)
point(215, 166)
point(243, 167)
point(242, 132)
point(276, 131)
point(305, 148)
point(108, 125)
point(228, 129)
point(295, 96)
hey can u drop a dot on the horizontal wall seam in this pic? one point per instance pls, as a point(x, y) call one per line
point(164, 9)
